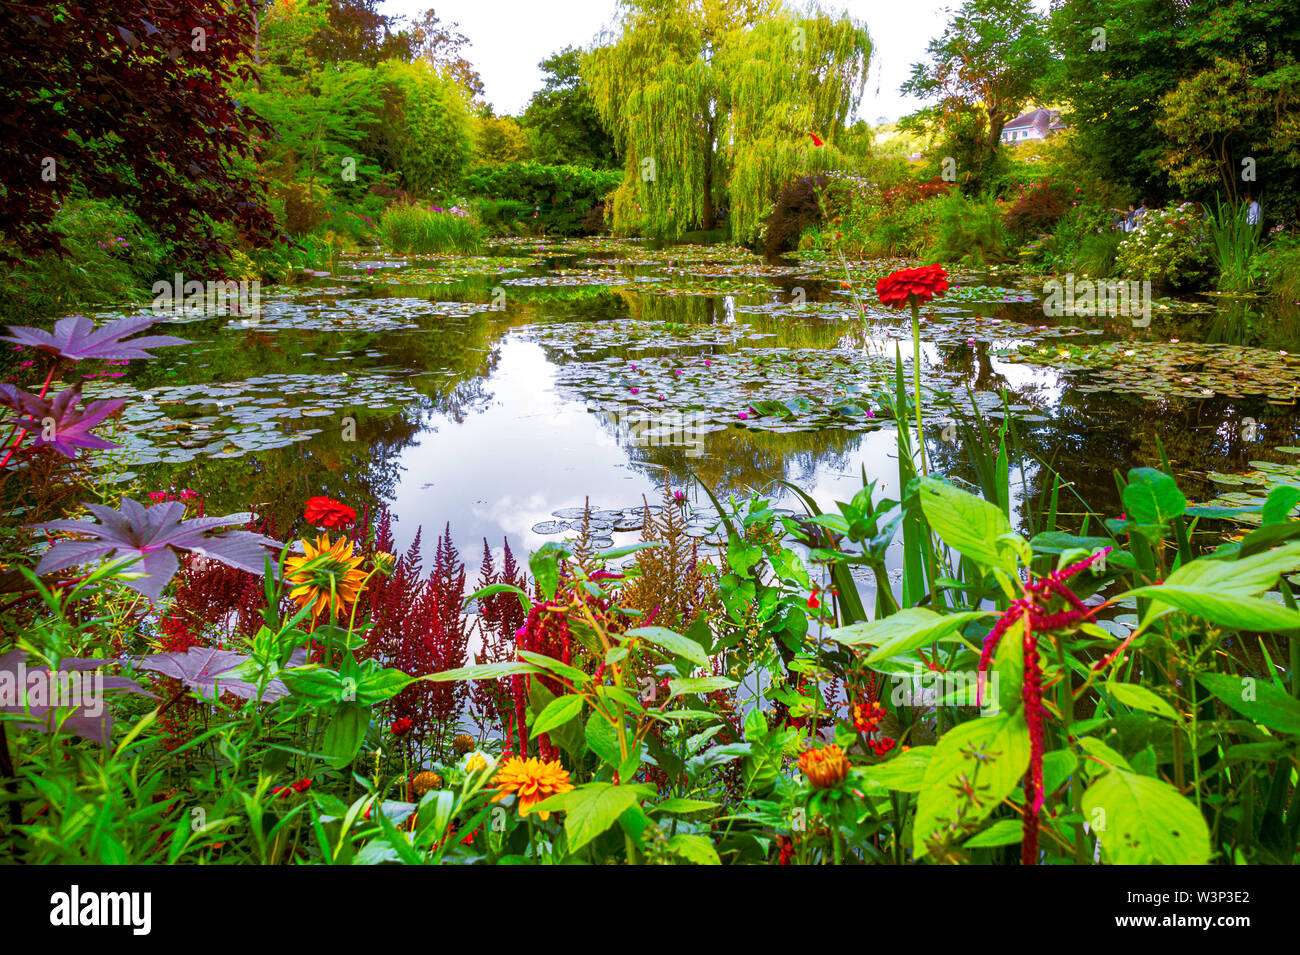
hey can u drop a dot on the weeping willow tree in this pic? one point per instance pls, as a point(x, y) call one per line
point(714, 101)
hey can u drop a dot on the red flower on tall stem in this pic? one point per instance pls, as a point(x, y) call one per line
point(899, 288)
point(1029, 609)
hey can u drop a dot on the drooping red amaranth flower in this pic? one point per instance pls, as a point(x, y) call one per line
point(1030, 610)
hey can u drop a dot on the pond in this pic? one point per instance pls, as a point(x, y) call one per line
point(501, 393)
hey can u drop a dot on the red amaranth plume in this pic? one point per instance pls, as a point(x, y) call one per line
point(500, 616)
point(1029, 609)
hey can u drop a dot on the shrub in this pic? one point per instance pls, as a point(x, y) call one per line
point(1279, 268)
point(411, 228)
point(969, 232)
point(1234, 243)
point(111, 258)
point(302, 208)
point(562, 196)
point(798, 207)
point(1037, 208)
point(1170, 247)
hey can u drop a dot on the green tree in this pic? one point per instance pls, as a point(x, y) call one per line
point(716, 100)
point(1177, 92)
point(984, 69)
point(500, 140)
point(428, 127)
point(561, 119)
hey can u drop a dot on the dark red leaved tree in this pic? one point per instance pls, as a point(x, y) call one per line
point(129, 99)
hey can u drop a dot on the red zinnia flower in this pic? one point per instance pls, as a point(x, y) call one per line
point(401, 726)
point(897, 288)
point(325, 512)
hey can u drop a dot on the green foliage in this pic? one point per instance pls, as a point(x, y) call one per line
point(716, 104)
point(561, 122)
point(969, 231)
point(411, 228)
point(1234, 243)
point(1279, 269)
point(1170, 248)
point(111, 258)
point(431, 137)
point(562, 196)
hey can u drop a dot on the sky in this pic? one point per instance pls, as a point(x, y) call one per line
point(508, 38)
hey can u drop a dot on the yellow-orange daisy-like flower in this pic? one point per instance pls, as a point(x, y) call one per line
point(327, 577)
point(825, 767)
point(532, 781)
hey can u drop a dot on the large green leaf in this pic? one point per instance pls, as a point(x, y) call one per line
point(1225, 609)
point(593, 808)
point(1257, 700)
point(1145, 821)
point(483, 671)
point(988, 755)
point(1247, 577)
point(674, 643)
point(1140, 698)
point(967, 523)
point(704, 684)
point(558, 712)
point(344, 734)
point(693, 848)
point(1152, 497)
point(904, 773)
point(927, 627)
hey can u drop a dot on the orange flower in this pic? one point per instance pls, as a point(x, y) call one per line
point(532, 781)
point(328, 576)
point(425, 782)
point(825, 767)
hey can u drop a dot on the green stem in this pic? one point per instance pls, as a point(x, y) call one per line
point(916, 380)
point(1066, 694)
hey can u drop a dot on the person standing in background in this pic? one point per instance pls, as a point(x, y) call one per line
point(1253, 211)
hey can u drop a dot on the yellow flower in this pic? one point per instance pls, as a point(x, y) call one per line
point(384, 562)
point(532, 781)
point(475, 764)
point(825, 767)
point(327, 576)
point(462, 743)
point(424, 782)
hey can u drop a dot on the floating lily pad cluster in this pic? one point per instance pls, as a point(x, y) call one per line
point(175, 424)
point(771, 389)
point(1175, 369)
point(593, 338)
point(702, 522)
point(447, 271)
point(355, 314)
point(564, 277)
point(1252, 488)
point(988, 293)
